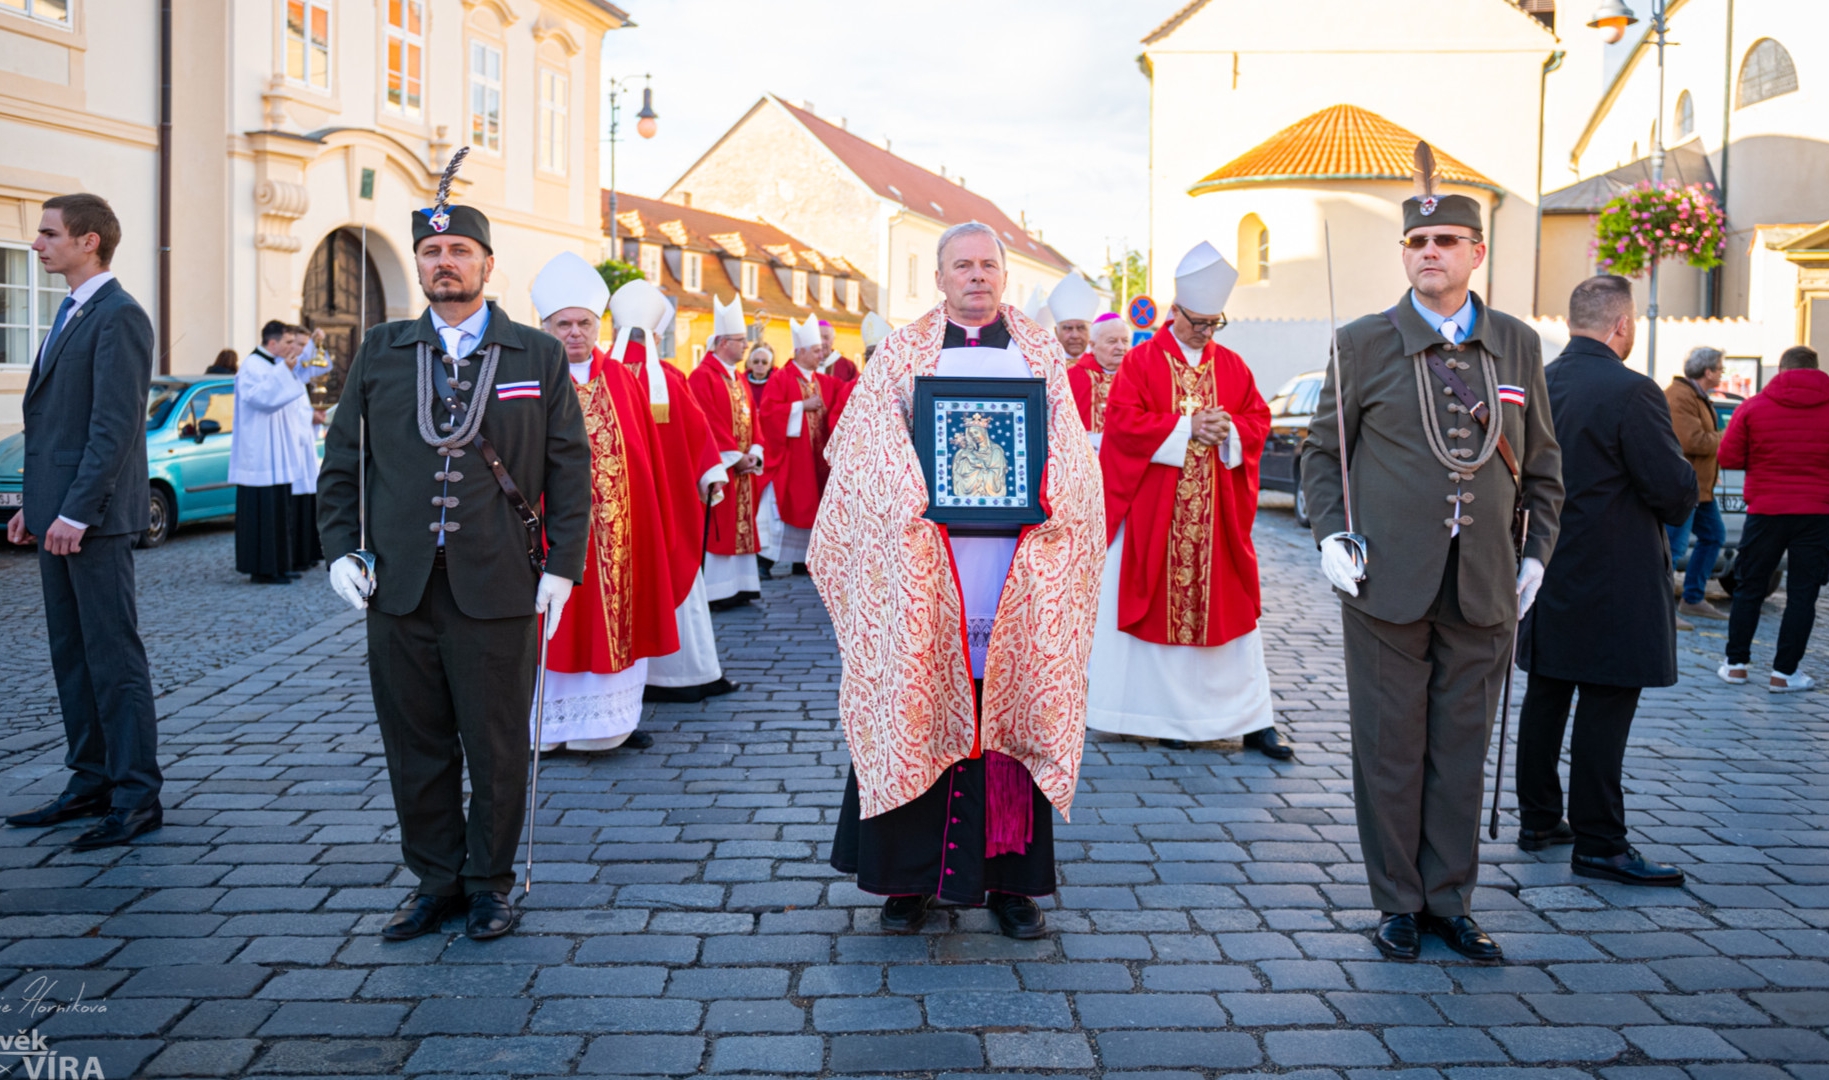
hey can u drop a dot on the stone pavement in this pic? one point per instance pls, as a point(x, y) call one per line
point(1210, 919)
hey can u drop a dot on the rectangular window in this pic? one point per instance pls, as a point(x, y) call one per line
point(914, 266)
point(752, 280)
point(853, 297)
point(29, 298)
point(650, 262)
point(692, 269)
point(308, 43)
point(405, 56)
point(53, 11)
point(826, 291)
point(800, 288)
point(485, 97)
point(554, 89)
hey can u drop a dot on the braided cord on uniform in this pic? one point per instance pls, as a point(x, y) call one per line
point(430, 401)
point(1432, 424)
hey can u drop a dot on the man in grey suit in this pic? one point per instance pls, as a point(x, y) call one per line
point(1447, 428)
point(87, 497)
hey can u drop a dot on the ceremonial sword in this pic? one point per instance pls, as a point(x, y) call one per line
point(362, 554)
point(1355, 542)
point(1498, 776)
point(539, 724)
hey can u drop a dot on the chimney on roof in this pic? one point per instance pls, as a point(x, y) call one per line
point(685, 198)
point(942, 172)
point(808, 106)
point(962, 181)
point(843, 125)
point(886, 144)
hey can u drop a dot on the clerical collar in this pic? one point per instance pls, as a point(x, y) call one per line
point(994, 336)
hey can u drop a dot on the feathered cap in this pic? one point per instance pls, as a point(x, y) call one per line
point(1427, 207)
point(443, 219)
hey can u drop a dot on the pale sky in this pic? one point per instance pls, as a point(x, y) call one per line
point(1039, 104)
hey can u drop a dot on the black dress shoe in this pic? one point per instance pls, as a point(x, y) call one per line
point(1398, 937)
point(800, 570)
point(719, 688)
point(119, 827)
point(422, 915)
point(765, 566)
point(491, 916)
point(1269, 742)
point(638, 740)
point(1172, 744)
point(66, 807)
point(269, 579)
point(730, 602)
point(905, 914)
point(1464, 936)
point(1537, 840)
point(1017, 916)
point(1630, 868)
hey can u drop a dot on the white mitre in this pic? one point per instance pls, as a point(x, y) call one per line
point(1073, 299)
point(567, 281)
point(1204, 280)
point(639, 304)
point(806, 334)
point(875, 329)
point(1037, 308)
point(727, 319)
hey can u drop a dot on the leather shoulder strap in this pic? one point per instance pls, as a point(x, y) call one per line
point(530, 518)
point(1464, 394)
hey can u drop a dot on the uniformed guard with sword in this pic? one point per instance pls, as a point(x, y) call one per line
point(1439, 406)
point(451, 429)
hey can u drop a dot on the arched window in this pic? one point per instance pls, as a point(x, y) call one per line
point(1766, 73)
point(1686, 115)
point(1253, 250)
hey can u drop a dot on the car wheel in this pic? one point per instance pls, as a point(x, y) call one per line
point(163, 519)
point(1301, 502)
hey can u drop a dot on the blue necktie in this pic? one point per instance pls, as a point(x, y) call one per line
point(57, 325)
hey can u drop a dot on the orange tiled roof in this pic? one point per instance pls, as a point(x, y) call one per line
point(1341, 142)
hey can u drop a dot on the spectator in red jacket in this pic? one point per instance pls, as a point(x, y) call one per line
point(1781, 438)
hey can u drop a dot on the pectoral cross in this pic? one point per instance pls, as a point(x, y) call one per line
point(1190, 405)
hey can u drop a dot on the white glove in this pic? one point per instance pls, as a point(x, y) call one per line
point(1340, 562)
point(550, 599)
point(1530, 579)
point(350, 580)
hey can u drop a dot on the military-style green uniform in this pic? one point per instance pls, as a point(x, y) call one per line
point(452, 636)
point(1429, 635)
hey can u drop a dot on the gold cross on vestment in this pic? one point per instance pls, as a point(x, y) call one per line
point(1190, 405)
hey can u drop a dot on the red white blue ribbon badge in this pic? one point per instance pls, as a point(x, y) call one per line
point(508, 391)
point(1511, 395)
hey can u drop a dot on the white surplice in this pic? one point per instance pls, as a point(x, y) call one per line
point(696, 662)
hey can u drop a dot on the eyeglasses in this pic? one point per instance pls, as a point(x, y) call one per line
point(1445, 241)
point(1204, 326)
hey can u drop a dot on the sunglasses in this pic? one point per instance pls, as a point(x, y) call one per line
point(1446, 242)
point(1205, 326)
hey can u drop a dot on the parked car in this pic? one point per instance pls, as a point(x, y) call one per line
point(1291, 408)
point(189, 426)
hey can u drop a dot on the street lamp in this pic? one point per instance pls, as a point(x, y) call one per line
point(646, 124)
point(1611, 19)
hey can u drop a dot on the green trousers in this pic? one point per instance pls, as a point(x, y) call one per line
point(452, 691)
point(1422, 697)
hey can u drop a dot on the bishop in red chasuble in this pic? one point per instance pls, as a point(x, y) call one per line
point(1177, 655)
point(797, 409)
point(695, 477)
point(718, 383)
point(963, 693)
point(622, 612)
point(1091, 375)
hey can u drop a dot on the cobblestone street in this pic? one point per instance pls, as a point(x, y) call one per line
point(1210, 918)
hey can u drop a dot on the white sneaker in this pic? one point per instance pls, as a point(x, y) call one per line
point(1790, 684)
point(1734, 674)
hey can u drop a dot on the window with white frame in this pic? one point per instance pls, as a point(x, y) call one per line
point(405, 56)
point(485, 97)
point(554, 91)
point(826, 291)
point(650, 263)
point(1686, 115)
point(852, 298)
point(308, 43)
point(51, 11)
point(800, 288)
point(29, 297)
point(752, 281)
point(692, 271)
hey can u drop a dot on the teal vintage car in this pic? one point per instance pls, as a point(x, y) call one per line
point(190, 422)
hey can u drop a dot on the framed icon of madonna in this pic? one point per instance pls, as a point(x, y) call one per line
point(982, 445)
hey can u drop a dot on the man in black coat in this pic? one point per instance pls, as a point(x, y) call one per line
point(1604, 626)
point(451, 596)
point(86, 499)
